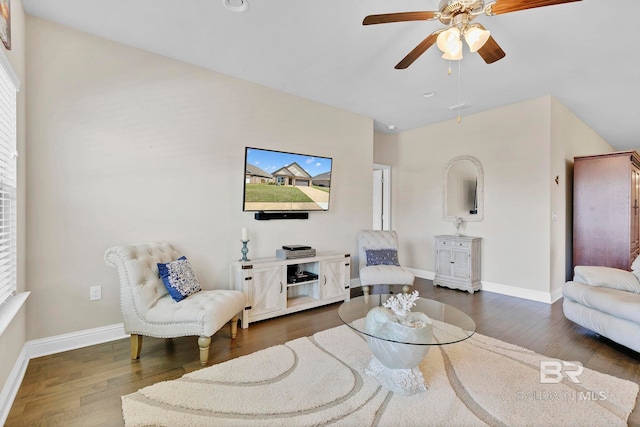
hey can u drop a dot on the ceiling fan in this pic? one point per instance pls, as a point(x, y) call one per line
point(457, 16)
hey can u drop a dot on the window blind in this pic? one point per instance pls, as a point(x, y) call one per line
point(8, 181)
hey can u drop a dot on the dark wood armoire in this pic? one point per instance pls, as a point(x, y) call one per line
point(605, 209)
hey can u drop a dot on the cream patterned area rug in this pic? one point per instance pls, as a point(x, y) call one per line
point(321, 380)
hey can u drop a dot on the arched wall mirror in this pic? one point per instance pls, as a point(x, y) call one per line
point(463, 190)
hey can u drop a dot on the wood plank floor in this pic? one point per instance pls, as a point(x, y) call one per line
point(83, 387)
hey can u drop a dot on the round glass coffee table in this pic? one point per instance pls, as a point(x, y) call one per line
point(397, 348)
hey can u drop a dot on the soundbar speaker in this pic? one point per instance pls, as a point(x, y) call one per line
point(264, 216)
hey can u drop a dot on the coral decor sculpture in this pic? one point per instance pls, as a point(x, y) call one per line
point(401, 306)
point(402, 303)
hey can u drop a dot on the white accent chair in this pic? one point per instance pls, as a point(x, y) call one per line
point(148, 309)
point(381, 274)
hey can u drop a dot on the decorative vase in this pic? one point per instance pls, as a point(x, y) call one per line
point(395, 361)
point(389, 347)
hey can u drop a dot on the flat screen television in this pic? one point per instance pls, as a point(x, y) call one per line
point(277, 181)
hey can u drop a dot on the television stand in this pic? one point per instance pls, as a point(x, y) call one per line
point(268, 292)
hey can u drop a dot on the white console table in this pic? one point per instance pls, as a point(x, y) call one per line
point(267, 293)
point(458, 262)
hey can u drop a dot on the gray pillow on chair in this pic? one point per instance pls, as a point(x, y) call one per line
point(382, 257)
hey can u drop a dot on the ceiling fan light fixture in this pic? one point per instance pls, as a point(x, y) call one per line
point(453, 56)
point(476, 37)
point(448, 41)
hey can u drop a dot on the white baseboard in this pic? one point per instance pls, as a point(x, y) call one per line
point(12, 385)
point(512, 291)
point(556, 295)
point(74, 340)
point(52, 345)
point(423, 274)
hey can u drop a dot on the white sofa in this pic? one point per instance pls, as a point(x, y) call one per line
point(606, 301)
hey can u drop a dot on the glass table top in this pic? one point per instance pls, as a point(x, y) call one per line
point(450, 325)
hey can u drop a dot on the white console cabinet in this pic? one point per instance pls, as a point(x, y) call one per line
point(267, 290)
point(458, 262)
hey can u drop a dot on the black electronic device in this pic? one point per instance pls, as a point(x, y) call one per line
point(263, 216)
point(296, 247)
point(304, 276)
point(296, 275)
point(302, 253)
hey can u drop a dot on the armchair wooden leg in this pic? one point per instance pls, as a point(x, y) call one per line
point(203, 343)
point(136, 346)
point(234, 326)
point(366, 290)
point(406, 289)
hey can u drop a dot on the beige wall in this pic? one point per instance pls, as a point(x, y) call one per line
point(570, 137)
point(513, 144)
point(128, 147)
point(14, 337)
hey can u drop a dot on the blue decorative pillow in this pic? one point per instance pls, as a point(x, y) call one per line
point(382, 257)
point(179, 278)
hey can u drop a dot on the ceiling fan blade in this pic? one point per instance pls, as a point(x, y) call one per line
point(506, 6)
point(399, 17)
point(491, 51)
point(418, 50)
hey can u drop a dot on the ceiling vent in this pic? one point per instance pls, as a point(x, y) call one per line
point(236, 5)
point(459, 106)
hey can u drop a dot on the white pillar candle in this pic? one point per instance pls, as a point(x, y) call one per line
point(245, 234)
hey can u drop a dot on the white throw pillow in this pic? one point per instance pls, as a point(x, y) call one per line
point(607, 277)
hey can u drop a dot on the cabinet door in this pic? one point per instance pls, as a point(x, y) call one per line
point(267, 290)
point(461, 267)
point(443, 264)
point(635, 217)
point(332, 282)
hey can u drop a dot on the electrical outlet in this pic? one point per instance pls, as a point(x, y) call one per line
point(95, 293)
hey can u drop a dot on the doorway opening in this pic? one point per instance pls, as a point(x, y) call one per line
point(381, 197)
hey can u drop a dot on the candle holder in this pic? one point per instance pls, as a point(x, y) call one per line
point(244, 251)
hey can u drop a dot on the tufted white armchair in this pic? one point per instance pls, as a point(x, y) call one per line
point(148, 309)
point(381, 274)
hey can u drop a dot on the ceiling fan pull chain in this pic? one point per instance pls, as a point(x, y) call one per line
point(459, 90)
